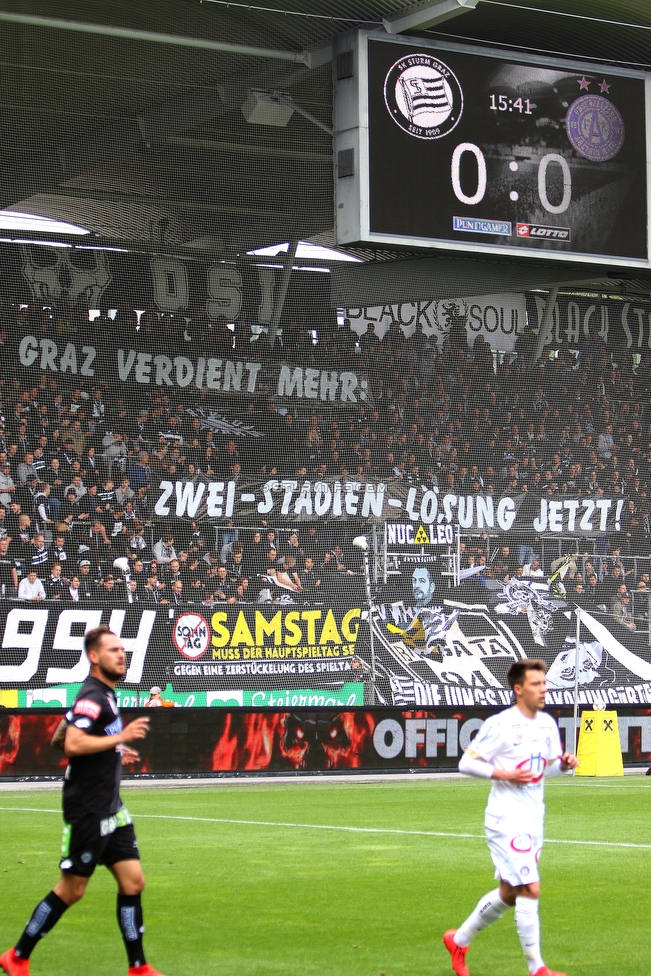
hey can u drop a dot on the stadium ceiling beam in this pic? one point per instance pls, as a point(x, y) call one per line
point(309, 58)
point(283, 99)
point(248, 149)
point(546, 326)
point(427, 14)
point(189, 206)
point(282, 291)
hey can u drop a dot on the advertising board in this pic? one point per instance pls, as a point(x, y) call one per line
point(324, 739)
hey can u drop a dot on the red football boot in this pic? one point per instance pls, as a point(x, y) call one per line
point(457, 953)
point(13, 965)
point(544, 971)
point(145, 970)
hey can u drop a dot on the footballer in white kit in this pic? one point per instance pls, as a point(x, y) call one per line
point(515, 749)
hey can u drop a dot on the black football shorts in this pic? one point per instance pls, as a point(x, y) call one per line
point(90, 841)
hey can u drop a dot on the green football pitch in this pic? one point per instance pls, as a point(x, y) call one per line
point(339, 879)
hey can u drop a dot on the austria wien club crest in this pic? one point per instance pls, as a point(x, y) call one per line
point(595, 128)
point(423, 96)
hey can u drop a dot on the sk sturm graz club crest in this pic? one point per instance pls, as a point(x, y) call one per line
point(423, 96)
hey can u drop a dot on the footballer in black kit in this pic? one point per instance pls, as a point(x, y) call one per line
point(97, 826)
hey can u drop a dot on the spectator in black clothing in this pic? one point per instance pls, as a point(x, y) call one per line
point(97, 540)
point(292, 545)
point(91, 468)
point(39, 556)
point(592, 595)
point(8, 570)
point(72, 592)
point(109, 592)
point(195, 542)
point(309, 579)
point(177, 598)
point(142, 506)
point(256, 554)
point(328, 574)
point(56, 584)
point(610, 584)
point(139, 574)
point(153, 593)
point(132, 592)
point(93, 505)
point(225, 590)
point(136, 543)
point(235, 565)
point(314, 544)
point(172, 572)
point(87, 588)
point(71, 511)
point(505, 562)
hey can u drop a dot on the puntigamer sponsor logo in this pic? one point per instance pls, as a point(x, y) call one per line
point(479, 225)
point(541, 231)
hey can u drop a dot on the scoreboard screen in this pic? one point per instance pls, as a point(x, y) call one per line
point(465, 149)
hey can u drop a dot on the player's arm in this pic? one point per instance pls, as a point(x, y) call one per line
point(58, 739)
point(80, 743)
point(559, 761)
point(472, 764)
point(129, 755)
point(563, 764)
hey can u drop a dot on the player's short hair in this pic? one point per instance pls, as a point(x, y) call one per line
point(93, 638)
point(517, 672)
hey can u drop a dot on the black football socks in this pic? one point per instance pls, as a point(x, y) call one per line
point(45, 916)
point(129, 912)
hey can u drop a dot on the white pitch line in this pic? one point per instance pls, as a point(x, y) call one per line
point(343, 828)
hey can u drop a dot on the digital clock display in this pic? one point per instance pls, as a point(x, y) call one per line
point(503, 103)
point(467, 149)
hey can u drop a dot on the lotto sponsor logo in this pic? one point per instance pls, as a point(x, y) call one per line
point(541, 231)
point(87, 707)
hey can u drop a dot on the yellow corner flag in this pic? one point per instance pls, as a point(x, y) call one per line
point(600, 751)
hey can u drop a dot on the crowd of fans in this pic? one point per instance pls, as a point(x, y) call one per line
point(81, 459)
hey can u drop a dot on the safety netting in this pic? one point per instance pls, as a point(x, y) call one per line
point(282, 482)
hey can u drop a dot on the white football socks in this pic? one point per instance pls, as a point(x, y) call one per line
point(527, 925)
point(489, 909)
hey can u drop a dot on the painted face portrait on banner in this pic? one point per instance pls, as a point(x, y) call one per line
point(422, 586)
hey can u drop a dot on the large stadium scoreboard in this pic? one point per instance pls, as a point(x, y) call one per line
point(447, 146)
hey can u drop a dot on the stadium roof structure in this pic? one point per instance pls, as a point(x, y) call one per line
point(148, 124)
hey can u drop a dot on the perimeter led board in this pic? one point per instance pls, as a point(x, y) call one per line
point(448, 146)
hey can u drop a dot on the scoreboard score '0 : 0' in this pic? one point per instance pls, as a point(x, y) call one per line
point(473, 150)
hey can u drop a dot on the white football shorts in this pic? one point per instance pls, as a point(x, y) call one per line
point(515, 856)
